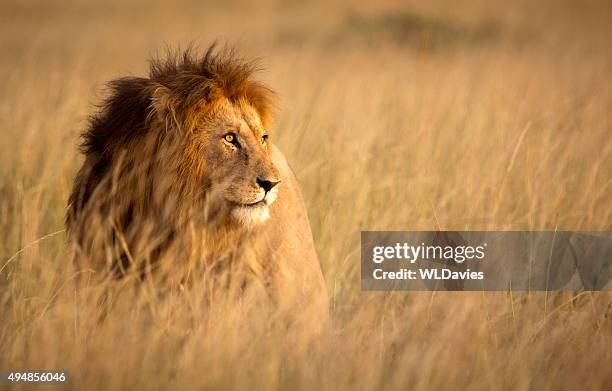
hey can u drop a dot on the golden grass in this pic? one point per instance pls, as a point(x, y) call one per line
point(439, 116)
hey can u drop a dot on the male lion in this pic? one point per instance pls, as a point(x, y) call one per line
point(179, 166)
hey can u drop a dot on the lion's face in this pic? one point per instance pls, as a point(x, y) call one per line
point(237, 154)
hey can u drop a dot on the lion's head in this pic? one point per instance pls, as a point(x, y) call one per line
point(195, 131)
point(229, 155)
point(187, 145)
point(223, 115)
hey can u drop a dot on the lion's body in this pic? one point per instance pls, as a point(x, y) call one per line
point(179, 175)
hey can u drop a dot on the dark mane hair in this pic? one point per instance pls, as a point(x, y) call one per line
point(182, 84)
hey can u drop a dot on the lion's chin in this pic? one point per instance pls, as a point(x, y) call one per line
point(251, 215)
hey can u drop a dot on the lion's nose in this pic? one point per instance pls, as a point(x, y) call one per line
point(267, 185)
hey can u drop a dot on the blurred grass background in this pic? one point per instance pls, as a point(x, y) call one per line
point(399, 115)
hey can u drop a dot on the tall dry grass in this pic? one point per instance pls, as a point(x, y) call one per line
point(397, 116)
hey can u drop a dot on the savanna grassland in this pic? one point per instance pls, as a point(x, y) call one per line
point(398, 116)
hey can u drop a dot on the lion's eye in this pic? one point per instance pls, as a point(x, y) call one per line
point(230, 138)
point(264, 139)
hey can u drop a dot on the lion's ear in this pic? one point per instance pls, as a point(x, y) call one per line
point(163, 106)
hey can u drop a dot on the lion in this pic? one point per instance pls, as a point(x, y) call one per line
point(180, 166)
